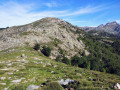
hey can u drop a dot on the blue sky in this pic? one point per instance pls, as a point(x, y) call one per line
point(77, 12)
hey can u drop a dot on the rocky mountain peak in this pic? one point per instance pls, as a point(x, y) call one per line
point(50, 20)
point(102, 25)
point(47, 31)
point(112, 23)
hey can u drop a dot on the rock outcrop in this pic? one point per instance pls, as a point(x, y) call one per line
point(117, 86)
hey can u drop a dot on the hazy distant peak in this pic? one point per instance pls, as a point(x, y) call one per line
point(101, 25)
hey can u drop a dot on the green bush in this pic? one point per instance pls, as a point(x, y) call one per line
point(58, 58)
point(37, 46)
point(46, 51)
point(66, 60)
point(75, 60)
point(52, 86)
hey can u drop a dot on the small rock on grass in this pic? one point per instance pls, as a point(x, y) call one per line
point(117, 86)
point(32, 87)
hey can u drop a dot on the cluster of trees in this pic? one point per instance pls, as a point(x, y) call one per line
point(104, 57)
point(45, 49)
point(63, 59)
point(116, 45)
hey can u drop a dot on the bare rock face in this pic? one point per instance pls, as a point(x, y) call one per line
point(50, 31)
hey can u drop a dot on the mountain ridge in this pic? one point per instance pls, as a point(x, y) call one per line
point(111, 27)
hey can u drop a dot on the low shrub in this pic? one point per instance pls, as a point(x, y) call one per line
point(52, 86)
point(46, 51)
point(37, 46)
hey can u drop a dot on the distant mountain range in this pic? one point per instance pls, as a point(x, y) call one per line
point(112, 28)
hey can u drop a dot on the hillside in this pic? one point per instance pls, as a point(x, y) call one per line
point(17, 72)
point(56, 33)
point(50, 49)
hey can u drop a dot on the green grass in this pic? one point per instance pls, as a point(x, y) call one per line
point(36, 69)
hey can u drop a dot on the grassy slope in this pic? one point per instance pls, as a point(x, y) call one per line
point(36, 69)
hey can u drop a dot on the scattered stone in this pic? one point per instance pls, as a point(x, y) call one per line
point(2, 83)
point(90, 78)
point(52, 71)
point(17, 81)
point(5, 69)
point(37, 58)
point(49, 64)
point(23, 60)
point(9, 73)
point(66, 82)
point(23, 55)
point(41, 62)
point(35, 62)
point(32, 87)
point(25, 81)
point(3, 78)
point(17, 57)
point(86, 53)
point(5, 88)
point(9, 77)
point(17, 70)
point(78, 74)
point(55, 66)
point(117, 86)
point(9, 64)
point(11, 50)
point(44, 65)
point(41, 85)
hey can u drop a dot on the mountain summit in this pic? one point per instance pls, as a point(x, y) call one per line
point(54, 32)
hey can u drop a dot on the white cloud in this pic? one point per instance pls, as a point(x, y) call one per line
point(87, 9)
point(118, 21)
point(51, 4)
point(12, 13)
